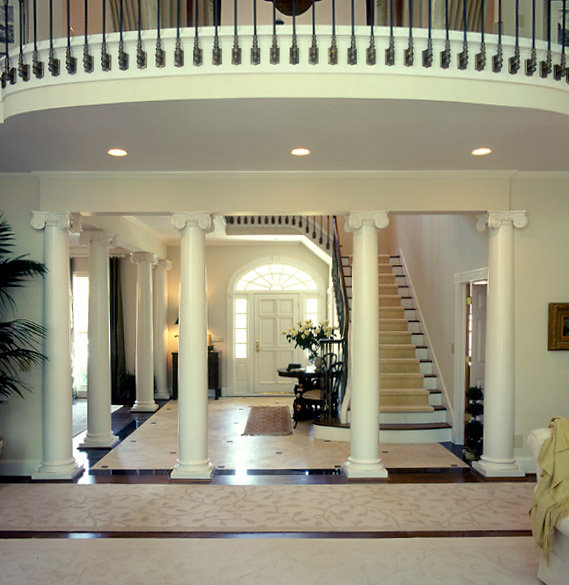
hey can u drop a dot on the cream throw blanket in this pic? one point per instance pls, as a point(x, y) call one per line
point(551, 501)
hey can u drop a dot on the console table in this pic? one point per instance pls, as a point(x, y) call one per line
point(213, 373)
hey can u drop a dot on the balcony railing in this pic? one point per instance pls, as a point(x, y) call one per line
point(377, 33)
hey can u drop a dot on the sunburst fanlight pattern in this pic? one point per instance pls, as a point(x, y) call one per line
point(276, 277)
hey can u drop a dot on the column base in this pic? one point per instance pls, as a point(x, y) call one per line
point(162, 395)
point(362, 468)
point(201, 470)
point(58, 471)
point(100, 441)
point(144, 406)
point(489, 468)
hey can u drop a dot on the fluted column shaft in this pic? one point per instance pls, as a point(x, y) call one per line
point(159, 313)
point(144, 361)
point(99, 433)
point(499, 403)
point(193, 460)
point(57, 451)
point(364, 460)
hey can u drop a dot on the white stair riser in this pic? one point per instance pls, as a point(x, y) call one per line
point(426, 368)
point(412, 417)
point(436, 399)
point(401, 437)
point(410, 314)
point(414, 327)
point(418, 339)
point(431, 383)
point(421, 353)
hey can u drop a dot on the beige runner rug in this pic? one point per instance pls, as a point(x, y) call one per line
point(268, 420)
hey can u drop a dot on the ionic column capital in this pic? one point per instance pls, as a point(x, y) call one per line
point(201, 219)
point(58, 219)
point(98, 236)
point(496, 219)
point(142, 258)
point(163, 263)
point(357, 219)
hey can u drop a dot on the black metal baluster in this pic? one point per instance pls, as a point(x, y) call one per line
point(293, 221)
point(238, 220)
point(87, 57)
point(266, 219)
point(531, 63)
point(428, 52)
point(371, 56)
point(514, 62)
point(178, 51)
point(105, 56)
point(307, 229)
point(314, 219)
point(560, 71)
point(53, 63)
point(300, 221)
point(236, 50)
point(294, 47)
point(255, 50)
point(216, 53)
point(272, 220)
point(546, 67)
point(198, 52)
point(140, 52)
point(409, 51)
point(353, 50)
point(498, 59)
point(333, 50)
point(480, 59)
point(23, 67)
point(275, 51)
point(321, 239)
point(160, 55)
point(9, 74)
point(463, 55)
point(280, 219)
point(286, 219)
point(70, 60)
point(390, 51)
point(327, 232)
point(123, 57)
point(445, 54)
point(37, 65)
point(313, 52)
point(245, 220)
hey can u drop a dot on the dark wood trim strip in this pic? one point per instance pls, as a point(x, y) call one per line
point(19, 534)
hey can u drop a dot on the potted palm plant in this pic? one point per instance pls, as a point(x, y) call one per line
point(20, 339)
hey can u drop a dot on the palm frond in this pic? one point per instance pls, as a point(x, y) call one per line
point(6, 237)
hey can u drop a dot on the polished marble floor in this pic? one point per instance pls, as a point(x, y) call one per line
point(153, 446)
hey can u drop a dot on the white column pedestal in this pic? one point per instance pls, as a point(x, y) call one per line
point(193, 461)
point(144, 365)
point(99, 433)
point(499, 400)
point(364, 460)
point(159, 314)
point(58, 462)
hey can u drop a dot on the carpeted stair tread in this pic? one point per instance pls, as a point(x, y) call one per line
point(414, 426)
point(405, 408)
point(385, 391)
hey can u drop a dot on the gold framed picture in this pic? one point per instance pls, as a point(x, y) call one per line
point(558, 326)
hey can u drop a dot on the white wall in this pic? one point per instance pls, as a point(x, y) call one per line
point(541, 277)
point(436, 247)
point(21, 419)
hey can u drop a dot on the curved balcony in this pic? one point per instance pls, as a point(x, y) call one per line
point(313, 55)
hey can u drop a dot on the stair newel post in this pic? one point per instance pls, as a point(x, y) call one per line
point(499, 391)
point(364, 460)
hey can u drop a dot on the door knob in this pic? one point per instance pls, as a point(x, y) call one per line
point(257, 346)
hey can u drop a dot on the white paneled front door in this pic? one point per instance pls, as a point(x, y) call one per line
point(274, 314)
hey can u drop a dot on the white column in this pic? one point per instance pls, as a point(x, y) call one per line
point(99, 433)
point(498, 458)
point(364, 460)
point(160, 298)
point(57, 451)
point(193, 461)
point(144, 361)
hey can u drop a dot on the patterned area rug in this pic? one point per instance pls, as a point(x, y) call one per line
point(268, 420)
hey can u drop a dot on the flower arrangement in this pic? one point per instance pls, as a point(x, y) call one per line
point(307, 336)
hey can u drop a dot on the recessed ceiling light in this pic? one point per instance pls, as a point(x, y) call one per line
point(300, 151)
point(481, 151)
point(117, 152)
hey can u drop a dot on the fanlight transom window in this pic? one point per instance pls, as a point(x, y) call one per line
point(276, 277)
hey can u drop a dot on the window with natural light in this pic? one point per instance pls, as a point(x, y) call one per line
point(277, 277)
point(240, 328)
point(80, 334)
point(311, 310)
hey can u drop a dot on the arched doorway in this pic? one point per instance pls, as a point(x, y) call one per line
point(266, 298)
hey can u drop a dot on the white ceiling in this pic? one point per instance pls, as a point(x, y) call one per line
point(257, 135)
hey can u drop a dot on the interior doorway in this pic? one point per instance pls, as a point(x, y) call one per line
point(469, 341)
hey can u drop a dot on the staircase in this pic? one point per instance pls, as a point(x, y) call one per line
point(411, 409)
